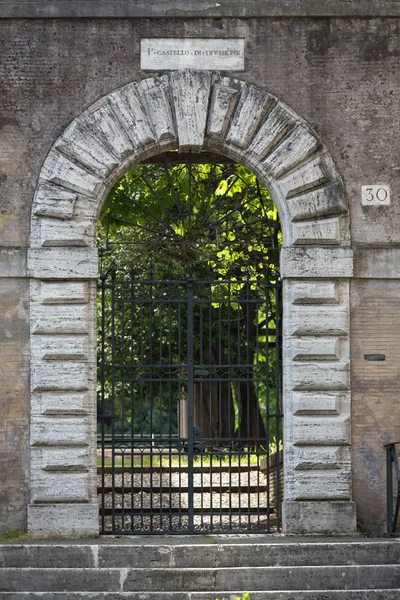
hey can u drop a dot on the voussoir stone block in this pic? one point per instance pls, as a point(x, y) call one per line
point(324, 231)
point(223, 102)
point(293, 150)
point(253, 106)
point(191, 90)
point(157, 98)
point(322, 202)
point(79, 144)
point(128, 107)
point(65, 233)
point(276, 126)
point(306, 177)
point(53, 201)
point(61, 170)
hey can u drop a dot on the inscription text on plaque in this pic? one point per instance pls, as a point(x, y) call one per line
point(192, 53)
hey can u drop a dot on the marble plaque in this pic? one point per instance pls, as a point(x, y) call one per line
point(375, 195)
point(158, 54)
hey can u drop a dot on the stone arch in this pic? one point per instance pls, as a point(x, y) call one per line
point(190, 111)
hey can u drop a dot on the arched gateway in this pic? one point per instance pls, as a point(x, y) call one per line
point(190, 111)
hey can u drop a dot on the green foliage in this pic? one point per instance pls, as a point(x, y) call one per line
point(212, 221)
point(215, 216)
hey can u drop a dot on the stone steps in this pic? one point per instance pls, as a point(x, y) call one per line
point(361, 594)
point(190, 568)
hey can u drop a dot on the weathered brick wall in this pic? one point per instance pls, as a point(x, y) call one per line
point(375, 325)
point(14, 388)
point(339, 74)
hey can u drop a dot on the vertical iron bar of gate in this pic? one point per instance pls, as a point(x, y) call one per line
point(113, 282)
point(190, 403)
point(278, 401)
point(102, 379)
point(389, 490)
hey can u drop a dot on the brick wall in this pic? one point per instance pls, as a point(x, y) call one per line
point(14, 402)
point(375, 329)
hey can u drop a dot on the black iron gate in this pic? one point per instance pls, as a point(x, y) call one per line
point(190, 416)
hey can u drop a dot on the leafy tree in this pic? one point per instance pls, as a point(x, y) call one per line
point(213, 223)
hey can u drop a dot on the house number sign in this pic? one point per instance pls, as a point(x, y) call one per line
point(192, 53)
point(375, 195)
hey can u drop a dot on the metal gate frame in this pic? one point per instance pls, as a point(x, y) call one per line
point(149, 497)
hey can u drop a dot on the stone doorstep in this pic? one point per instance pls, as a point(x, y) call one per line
point(290, 578)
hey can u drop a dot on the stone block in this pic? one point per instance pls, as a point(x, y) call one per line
point(127, 105)
point(317, 403)
point(223, 103)
point(59, 319)
point(319, 321)
point(321, 458)
point(315, 292)
point(321, 431)
point(156, 94)
point(59, 431)
point(325, 484)
point(322, 231)
point(79, 145)
point(63, 263)
point(62, 171)
point(321, 376)
point(60, 376)
point(294, 149)
point(64, 233)
point(105, 128)
point(191, 90)
point(53, 201)
point(59, 487)
point(319, 518)
point(253, 106)
point(315, 349)
point(313, 174)
point(64, 292)
point(60, 403)
point(317, 262)
point(53, 458)
point(63, 519)
point(321, 202)
point(276, 126)
point(60, 347)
